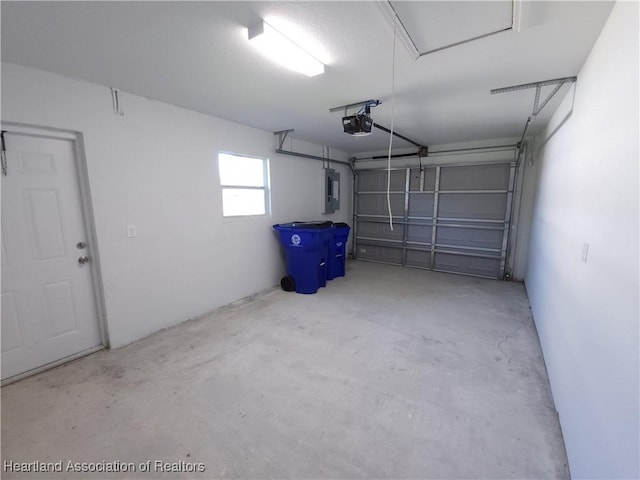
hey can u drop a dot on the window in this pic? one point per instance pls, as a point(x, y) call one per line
point(245, 185)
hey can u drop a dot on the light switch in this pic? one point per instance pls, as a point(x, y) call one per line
point(585, 252)
point(131, 231)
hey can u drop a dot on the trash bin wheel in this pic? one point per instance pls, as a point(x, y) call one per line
point(288, 284)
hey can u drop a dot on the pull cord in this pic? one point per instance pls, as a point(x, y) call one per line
point(393, 88)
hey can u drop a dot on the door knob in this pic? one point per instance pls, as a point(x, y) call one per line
point(83, 260)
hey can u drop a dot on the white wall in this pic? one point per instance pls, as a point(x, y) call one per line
point(155, 167)
point(587, 314)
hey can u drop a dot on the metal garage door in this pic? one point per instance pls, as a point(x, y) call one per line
point(447, 218)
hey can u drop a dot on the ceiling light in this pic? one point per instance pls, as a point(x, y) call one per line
point(283, 51)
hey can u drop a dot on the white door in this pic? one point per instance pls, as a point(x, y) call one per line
point(48, 303)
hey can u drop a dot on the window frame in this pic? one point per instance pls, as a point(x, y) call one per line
point(266, 188)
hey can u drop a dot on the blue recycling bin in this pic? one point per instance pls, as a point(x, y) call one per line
point(336, 263)
point(307, 247)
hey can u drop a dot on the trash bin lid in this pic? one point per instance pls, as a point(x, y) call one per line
point(283, 226)
point(302, 226)
point(312, 225)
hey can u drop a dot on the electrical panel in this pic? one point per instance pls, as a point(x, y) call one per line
point(331, 190)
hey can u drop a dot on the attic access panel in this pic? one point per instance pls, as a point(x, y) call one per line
point(434, 26)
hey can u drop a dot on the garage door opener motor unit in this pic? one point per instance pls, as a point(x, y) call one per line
point(360, 124)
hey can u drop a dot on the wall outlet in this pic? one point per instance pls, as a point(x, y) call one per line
point(131, 231)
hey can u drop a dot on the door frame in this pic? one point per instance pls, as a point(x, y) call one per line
point(86, 206)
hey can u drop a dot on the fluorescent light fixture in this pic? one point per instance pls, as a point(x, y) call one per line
point(283, 51)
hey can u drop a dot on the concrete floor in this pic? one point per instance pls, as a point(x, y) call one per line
point(386, 373)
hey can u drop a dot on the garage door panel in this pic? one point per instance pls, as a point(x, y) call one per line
point(380, 230)
point(477, 206)
point(470, 237)
point(460, 263)
point(429, 179)
point(376, 181)
point(379, 253)
point(376, 204)
point(419, 233)
point(453, 218)
point(479, 177)
point(417, 258)
point(421, 205)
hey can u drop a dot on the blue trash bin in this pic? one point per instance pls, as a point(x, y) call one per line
point(307, 246)
point(336, 264)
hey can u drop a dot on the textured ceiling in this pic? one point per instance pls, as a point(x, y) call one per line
point(196, 55)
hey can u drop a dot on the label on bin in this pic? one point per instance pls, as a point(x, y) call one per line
point(295, 239)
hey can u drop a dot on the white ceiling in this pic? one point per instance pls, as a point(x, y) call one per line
point(196, 55)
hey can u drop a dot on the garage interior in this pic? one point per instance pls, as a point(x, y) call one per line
point(485, 156)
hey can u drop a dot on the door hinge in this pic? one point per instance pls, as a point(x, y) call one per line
point(3, 154)
point(115, 100)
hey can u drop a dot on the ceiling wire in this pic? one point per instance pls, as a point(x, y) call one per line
point(393, 88)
